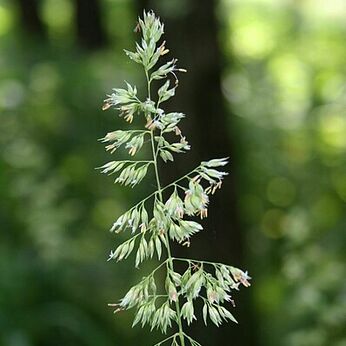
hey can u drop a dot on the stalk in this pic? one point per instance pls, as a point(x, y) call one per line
point(169, 254)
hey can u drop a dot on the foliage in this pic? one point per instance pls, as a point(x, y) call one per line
point(287, 86)
point(152, 230)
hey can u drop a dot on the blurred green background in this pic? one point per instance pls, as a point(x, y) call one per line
point(266, 86)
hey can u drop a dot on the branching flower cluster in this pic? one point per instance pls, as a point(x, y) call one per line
point(165, 215)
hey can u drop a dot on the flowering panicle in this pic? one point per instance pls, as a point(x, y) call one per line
point(165, 215)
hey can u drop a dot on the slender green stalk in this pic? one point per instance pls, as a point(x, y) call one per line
point(190, 260)
point(169, 255)
point(158, 267)
point(137, 161)
point(165, 340)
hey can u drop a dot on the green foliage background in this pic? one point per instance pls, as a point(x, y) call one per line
point(284, 80)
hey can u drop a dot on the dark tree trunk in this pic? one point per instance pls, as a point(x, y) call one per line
point(90, 31)
point(191, 34)
point(192, 37)
point(30, 19)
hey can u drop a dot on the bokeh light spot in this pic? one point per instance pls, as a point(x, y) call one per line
point(297, 226)
point(11, 94)
point(326, 211)
point(332, 128)
point(254, 40)
point(281, 192)
point(5, 20)
point(58, 16)
point(338, 179)
point(272, 223)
